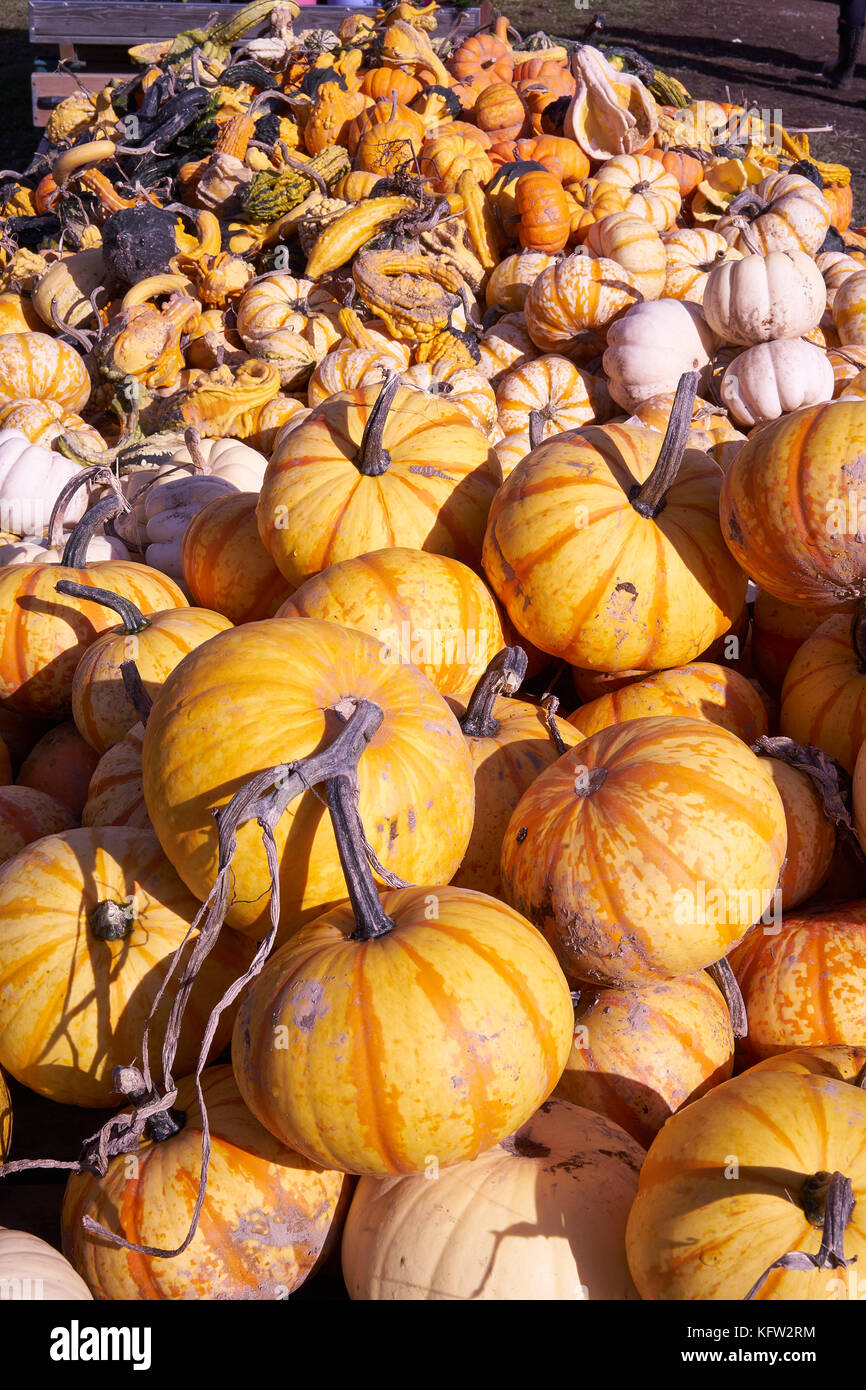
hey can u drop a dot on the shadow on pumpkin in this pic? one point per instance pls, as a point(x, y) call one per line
point(96, 994)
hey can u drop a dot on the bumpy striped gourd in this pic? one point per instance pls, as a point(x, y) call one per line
point(271, 195)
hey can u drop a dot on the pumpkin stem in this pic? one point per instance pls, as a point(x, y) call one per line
point(372, 459)
point(263, 799)
point(729, 988)
point(587, 781)
point(135, 692)
point(858, 636)
point(132, 618)
point(828, 1201)
point(97, 474)
point(75, 554)
point(503, 676)
point(648, 499)
point(550, 704)
point(110, 921)
point(831, 780)
point(370, 916)
point(536, 428)
point(192, 439)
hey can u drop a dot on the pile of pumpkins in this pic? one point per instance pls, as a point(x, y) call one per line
point(433, 676)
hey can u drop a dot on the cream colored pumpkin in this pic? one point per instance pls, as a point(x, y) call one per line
point(650, 348)
point(36, 548)
point(31, 1269)
point(227, 459)
point(690, 254)
point(541, 1216)
point(168, 511)
point(759, 298)
point(772, 379)
point(31, 479)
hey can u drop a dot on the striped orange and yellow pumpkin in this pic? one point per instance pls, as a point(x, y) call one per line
point(89, 922)
point(641, 1054)
point(588, 854)
point(269, 1216)
point(804, 985)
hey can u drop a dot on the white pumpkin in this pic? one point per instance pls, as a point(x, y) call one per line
point(32, 549)
point(540, 1216)
point(772, 379)
point(31, 477)
point(228, 460)
point(651, 346)
point(169, 509)
point(759, 298)
point(30, 1268)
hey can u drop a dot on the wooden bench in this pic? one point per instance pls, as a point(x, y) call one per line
point(93, 36)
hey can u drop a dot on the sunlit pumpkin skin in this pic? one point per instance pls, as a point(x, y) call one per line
point(45, 635)
point(31, 1263)
point(440, 1037)
point(700, 691)
point(824, 693)
point(539, 1216)
point(639, 1055)
point(43, 421)
point(793, 501)
point(811, 834)
point(116, 794)
point(61, 764)
point(5, 1119)
point(101, 708)
point(632, 852)
point(88, 998)
point(316, 508)
point(266, 1218)
point(690, 254)
point(26, 815)
point(792, 215)
point(506, 762)
point(588, 579)
point(426, 609)
point(565, 396)
point(225, 566)
point(805, 985)
point(35, 366)
point(512, 278)
point(839, 1063)
point(265, 693)
point(701, 1230)
point(778, 632)
point(572, 301)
